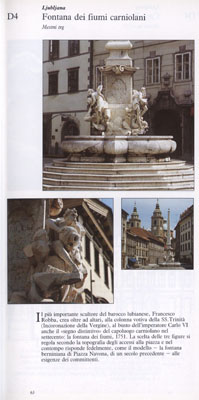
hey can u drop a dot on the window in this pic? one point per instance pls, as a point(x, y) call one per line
point(53, 49)
point(152, 70)
point(73, 48)
point(87, 249)
point(53, 83)
point(105, 273)
point(73, 80)
point(183, 66)
point(97, 269)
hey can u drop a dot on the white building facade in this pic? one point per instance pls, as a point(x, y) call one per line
point(184, 237)
point(66, 79)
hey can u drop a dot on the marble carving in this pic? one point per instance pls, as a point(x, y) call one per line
point(56, 271)
point(130, 123)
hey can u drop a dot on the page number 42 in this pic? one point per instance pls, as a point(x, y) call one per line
point(12, 16)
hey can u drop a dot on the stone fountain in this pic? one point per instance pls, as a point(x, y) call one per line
point(121, 145)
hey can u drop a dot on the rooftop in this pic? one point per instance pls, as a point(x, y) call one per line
point(145, 235)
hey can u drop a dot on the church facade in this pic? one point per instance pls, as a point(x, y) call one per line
point(143, 247)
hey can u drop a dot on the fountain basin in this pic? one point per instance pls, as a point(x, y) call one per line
point(118, 148)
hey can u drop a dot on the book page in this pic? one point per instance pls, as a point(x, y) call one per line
point(99, 200)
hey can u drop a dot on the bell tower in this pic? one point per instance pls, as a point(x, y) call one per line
point(157, 222)
point(134, 221)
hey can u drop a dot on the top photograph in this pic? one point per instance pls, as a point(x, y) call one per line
point(118, 115)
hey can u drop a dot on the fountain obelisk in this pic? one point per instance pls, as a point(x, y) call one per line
point(169, 256)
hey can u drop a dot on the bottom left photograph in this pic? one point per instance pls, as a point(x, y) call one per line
point(60, 251)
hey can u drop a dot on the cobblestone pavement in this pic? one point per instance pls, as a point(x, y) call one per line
point(149, 267)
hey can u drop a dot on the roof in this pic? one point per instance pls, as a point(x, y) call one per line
point(124, 213)
point(186, 213)
point(145, 235)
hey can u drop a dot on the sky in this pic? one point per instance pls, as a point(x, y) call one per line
point(145, 208)
point(108, 202)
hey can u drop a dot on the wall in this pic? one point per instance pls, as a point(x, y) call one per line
point(73, 105)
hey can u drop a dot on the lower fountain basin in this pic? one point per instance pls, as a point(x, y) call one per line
point(119, 148)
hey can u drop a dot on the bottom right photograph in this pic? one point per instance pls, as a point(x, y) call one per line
point(157, 233)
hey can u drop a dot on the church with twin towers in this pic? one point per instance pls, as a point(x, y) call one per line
point(157, 221)
point(143, 247)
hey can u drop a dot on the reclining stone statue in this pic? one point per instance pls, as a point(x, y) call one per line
point(56, 272)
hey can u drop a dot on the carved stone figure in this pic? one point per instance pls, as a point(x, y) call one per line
point(135, 112)
point(91, 101)
point(118, 126)
point(98, 112)
point(56, 272)
point(129, 122)
point(56, 206)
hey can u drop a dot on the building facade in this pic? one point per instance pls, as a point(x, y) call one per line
point(137, 247)
point(124, 239)
point(66, 79)
point(184, 237)
point(145, 247)
point(140, 247)
point(97, 249)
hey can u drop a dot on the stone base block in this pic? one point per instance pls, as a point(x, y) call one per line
point(86, 159)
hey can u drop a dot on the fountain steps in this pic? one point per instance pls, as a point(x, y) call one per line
point(171, 164)
point(85, 187)
point(114, 178)
point(118, 169)
point(173, 175)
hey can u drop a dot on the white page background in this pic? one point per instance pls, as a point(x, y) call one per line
point(163, 291)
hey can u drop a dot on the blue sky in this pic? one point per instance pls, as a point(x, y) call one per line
point(108, 202)
point(145, 208)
